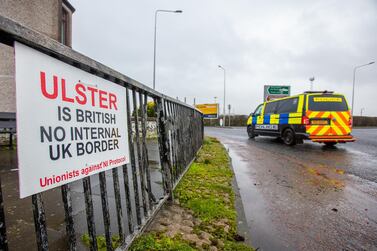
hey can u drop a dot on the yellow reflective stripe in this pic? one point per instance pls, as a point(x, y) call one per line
point(300, 103)
point(274, 119)
point(336, 130)
point(343, 123)
point(339, 119)
point(262, 112)
point(311, 129)
point(249, 120)
point(313, 114)
point(295, 114)
point(294, 121)
point(275, 116)
point(260, 120)
point(346, 115)
point(324, 129)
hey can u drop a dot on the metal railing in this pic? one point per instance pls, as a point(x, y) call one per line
point(180, 135)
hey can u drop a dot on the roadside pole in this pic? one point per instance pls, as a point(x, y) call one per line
point(229, 107)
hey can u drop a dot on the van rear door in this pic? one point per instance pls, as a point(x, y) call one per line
point(328, 115)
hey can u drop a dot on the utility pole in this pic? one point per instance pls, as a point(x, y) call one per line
point(155, 41)
point(218, 117)
point(229, 107)
point(224, 93)
point(354, 80)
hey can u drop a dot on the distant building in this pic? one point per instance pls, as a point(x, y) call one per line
point(50, 17)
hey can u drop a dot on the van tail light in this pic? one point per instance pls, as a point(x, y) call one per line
point(350, 121)
point(305, 120)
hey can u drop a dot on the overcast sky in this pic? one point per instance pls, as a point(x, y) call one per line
point(257, 42)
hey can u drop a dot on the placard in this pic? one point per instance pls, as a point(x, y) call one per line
point(70, 123)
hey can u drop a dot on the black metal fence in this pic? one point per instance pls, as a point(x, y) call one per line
point(132, 200)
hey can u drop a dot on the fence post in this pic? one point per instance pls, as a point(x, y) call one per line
point(163, 143)
point(3, 232)
point(66, 195)
point(40, 222)
point(90, 214)
point(133, 168)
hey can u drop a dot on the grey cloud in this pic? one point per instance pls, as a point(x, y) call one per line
point(258, 42)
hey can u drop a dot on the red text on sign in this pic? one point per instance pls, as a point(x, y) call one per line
point(82, 94)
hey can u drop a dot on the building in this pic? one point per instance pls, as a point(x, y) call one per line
point(50, 17)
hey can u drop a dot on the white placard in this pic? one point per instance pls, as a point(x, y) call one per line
point(70, 124)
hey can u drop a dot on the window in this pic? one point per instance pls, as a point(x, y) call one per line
point(287, 105)
point(327, 103)
point(270, 107)
point(258, 111)
point(64, 27)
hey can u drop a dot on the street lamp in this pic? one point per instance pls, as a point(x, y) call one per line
point(354, 77)
point(155, 39)
point(224, 90)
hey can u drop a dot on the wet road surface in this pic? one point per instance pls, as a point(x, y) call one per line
point(306, 197)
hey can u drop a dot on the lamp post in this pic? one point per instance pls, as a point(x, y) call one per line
point(224, 91)
point(155, 40)
point(354, 78)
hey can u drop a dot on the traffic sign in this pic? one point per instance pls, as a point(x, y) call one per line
point(276, 91)
point(210, 111)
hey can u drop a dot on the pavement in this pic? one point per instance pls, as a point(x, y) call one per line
point(309, 196)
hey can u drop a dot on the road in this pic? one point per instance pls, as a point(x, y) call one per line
point(306, 197)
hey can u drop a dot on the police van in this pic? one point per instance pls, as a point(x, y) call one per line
point(322, 117)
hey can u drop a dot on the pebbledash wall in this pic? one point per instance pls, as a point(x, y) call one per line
point(50, 17)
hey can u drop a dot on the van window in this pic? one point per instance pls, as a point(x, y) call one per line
point(258, 111)
point(327, 103)
point(287, 105)
point(270, 108)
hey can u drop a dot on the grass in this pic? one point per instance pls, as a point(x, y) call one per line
point(206, 189)
point(157, 242)
point(207, 186)
point(101, 241)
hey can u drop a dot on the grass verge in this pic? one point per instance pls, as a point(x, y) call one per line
point(206, 190)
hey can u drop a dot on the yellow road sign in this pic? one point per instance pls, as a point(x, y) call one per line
point(210, 111)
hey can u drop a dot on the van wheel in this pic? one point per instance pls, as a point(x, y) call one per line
point(250, 132)
point(289, 137)
point(331, 143)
